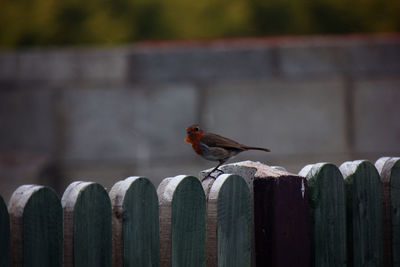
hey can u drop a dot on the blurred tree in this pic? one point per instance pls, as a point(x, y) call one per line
point(342, 16)
point(207, 18)
point(271, 17)
point(88, 22)
point(73, 22)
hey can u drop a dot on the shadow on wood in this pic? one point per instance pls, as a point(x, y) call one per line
point(390, 176)
point(5, 235)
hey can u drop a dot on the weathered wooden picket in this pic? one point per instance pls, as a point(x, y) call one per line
point(254, 216)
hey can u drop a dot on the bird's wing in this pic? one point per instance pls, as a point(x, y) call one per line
point(215, 140)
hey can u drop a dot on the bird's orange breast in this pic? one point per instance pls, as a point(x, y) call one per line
point(194, 140)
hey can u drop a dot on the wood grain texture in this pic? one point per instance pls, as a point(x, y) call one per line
point(135, 223)
point(4, 234)
point(36, 227)
point(364, 213)
point(380, 163)
point(386, 210)
point(281, 218)
point(229, 223)
point(87, 225)
point(165, 213)
point(183, 235)
point(390, 175)
point(326, 197)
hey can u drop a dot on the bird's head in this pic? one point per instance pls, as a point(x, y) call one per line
point(194, 133)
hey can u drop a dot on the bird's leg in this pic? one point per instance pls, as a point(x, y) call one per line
point(213, 170)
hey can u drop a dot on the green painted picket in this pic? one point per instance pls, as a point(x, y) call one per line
point(328, 214)
point(229, 223)
point(364, 213)
point(36, 227)
point(182, 222)
point(87, 225)
point(135, 223)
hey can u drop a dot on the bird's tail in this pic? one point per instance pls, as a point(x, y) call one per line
point(256, 148)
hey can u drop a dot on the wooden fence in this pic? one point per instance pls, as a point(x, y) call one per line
point(262, 216)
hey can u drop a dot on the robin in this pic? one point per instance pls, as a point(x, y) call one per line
point(215, 147)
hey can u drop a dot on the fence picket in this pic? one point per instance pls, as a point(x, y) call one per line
point(87, 225)
point(390, 176)
point(364, 213)
point(280, 218)
point(5, 235)
point(229, 222)
point(328, 214)
point(135, 223)
point(182, 210)
point(35, 227)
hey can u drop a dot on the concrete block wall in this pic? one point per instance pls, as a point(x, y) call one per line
point(102, 114)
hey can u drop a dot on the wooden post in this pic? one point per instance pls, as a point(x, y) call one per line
point(229, 223)
point(390, 177)
point(326, 195)
point(36, 227)
point(364, 213)
point(135, 223)
point(280, 217)
point(182, 210)
point(247, 173)
point(4, 234)
point(87, 225)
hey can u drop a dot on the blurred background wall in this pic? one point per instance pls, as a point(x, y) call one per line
point(100, 90)
point(102, 114)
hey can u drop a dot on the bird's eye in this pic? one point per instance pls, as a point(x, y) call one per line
point(196, 129)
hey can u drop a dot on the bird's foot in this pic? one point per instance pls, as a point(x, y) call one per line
point(219, 172)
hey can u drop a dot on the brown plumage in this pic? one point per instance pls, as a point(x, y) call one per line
point(215, 147)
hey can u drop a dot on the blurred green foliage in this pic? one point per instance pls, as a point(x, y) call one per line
point(102, 22)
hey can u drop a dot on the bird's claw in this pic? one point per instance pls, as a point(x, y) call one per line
point(218, 170)
point(211, 176)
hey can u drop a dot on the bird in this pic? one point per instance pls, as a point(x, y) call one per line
point(215, 147)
